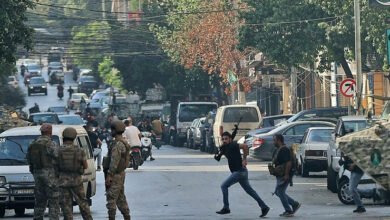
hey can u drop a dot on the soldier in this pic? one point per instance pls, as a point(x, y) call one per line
point(41, 156)
point(115, 164)
point(72, 162)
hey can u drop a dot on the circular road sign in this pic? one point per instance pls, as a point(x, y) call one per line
point(348, 87)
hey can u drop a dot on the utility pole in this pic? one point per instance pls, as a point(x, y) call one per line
point(358, 56)
point(104, 9)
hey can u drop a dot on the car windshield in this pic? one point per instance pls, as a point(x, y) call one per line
point(42, 118)
point(100, 95)
point(188, 112)
point(38, 80)
point(354, 126)
point(71, 120)
point(33, 67)
point(58, 109)
point(13, 149)
point(77, 96)
point(55, 64)
point(11, 79)
point(241, 114)
point(320, 135)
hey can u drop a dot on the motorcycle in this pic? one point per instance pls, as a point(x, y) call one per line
point(157, 141)
point(146, 144)
point(136, 158)
point(60, 94)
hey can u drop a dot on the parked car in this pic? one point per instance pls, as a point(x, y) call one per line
point(311, 153)
point(247, 116)
point(72, 120)
point(56, 77)
point(13, 81)
point(197, 137)
point(271, 121)
point(55, 66)
point(74, 101)
point(59, 110)
point(345, 125)
point(37, 84)
point(208, 135)
point(190, 133)
point(262, 146)
point(334, 112)
point(44, 117)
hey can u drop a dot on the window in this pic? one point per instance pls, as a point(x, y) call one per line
point(321, 136)
point(297, 129)
point(188, 112)
point(242, 114)
point(85, 145)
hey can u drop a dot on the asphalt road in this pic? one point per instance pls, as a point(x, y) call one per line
point(183, 184)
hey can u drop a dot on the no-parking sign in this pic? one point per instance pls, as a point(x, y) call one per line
point(348, 87)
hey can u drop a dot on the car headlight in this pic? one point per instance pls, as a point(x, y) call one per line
point(43, 87)
point(31, 87)
point(3, 181)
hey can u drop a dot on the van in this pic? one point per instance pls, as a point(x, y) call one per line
point(16, 181)
point(247, 116)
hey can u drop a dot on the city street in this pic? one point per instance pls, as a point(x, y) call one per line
point(183, 184)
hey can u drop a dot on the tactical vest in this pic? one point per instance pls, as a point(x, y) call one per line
point(124, 161)
point(38, 157)
point(69, 160)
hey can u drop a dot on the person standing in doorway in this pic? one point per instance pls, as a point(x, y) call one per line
point(237, 166)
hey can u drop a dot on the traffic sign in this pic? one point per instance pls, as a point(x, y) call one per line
point(348, 87)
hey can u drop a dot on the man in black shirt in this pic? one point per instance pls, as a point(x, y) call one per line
point(282, 157)
point(96, 145)
point(237, 166)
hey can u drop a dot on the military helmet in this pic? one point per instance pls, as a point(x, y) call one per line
point(118, 126)
point(46, 127)
point(70, 133)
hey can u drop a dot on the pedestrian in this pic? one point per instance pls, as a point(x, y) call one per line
point(132, 134)
point(72, 161)
point(70, 91)
point(116, 162)
point(41, 156)
point(239, 172)
point(96, 145)
point(282, 161)
point(356, 176)
point(83, 104)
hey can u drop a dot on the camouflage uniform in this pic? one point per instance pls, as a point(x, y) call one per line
point(116, 192)
point(71, 185)
point(46, 180)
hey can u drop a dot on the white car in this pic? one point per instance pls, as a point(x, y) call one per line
point(74, 101)
point(311, 153)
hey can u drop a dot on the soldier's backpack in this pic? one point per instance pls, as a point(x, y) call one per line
point(37, 155)
point(125, 157)
point(69, 160)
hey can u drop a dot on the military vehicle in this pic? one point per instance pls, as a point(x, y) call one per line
point(370, 150)
point(9, 118)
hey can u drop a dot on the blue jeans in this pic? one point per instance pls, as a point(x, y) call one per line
point(240, 177)
point(355, 192)
point(280, 191)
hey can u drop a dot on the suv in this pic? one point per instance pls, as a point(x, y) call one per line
point(37, 85)
point(87, 86)
point(44, 117)
point(345, 125)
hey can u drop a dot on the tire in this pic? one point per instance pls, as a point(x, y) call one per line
point(343, 193)
point(331, 180)
point(89, 194)
point(2, 212)
point(203, 144)
point(135, 164)
point(304, 169)
point(19, 211)
point(46, 92)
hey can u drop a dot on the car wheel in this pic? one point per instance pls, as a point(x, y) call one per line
point(331, 180)
point(45, 92)
point(203, 144)
point(344, 193)
point(188, 144)
point(2, 212)
point(20, 211)
point(304, 169)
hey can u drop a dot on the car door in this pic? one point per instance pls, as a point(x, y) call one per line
point(89, 176)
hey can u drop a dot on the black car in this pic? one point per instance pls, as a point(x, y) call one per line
point(44, 117)
point(37, 85)
point(271, 121)
point(262, 145)
point(87, 86)
point(55, 66)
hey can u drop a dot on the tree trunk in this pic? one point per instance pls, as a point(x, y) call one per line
point(345, 66)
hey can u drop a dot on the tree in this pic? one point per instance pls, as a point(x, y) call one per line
point(109, 74)
point(13, 30)
point(301, 31)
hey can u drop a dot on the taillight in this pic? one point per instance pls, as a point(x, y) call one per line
point(257, 142)
point(220, 130)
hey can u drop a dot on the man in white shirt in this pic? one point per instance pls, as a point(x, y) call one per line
point(132, 134)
